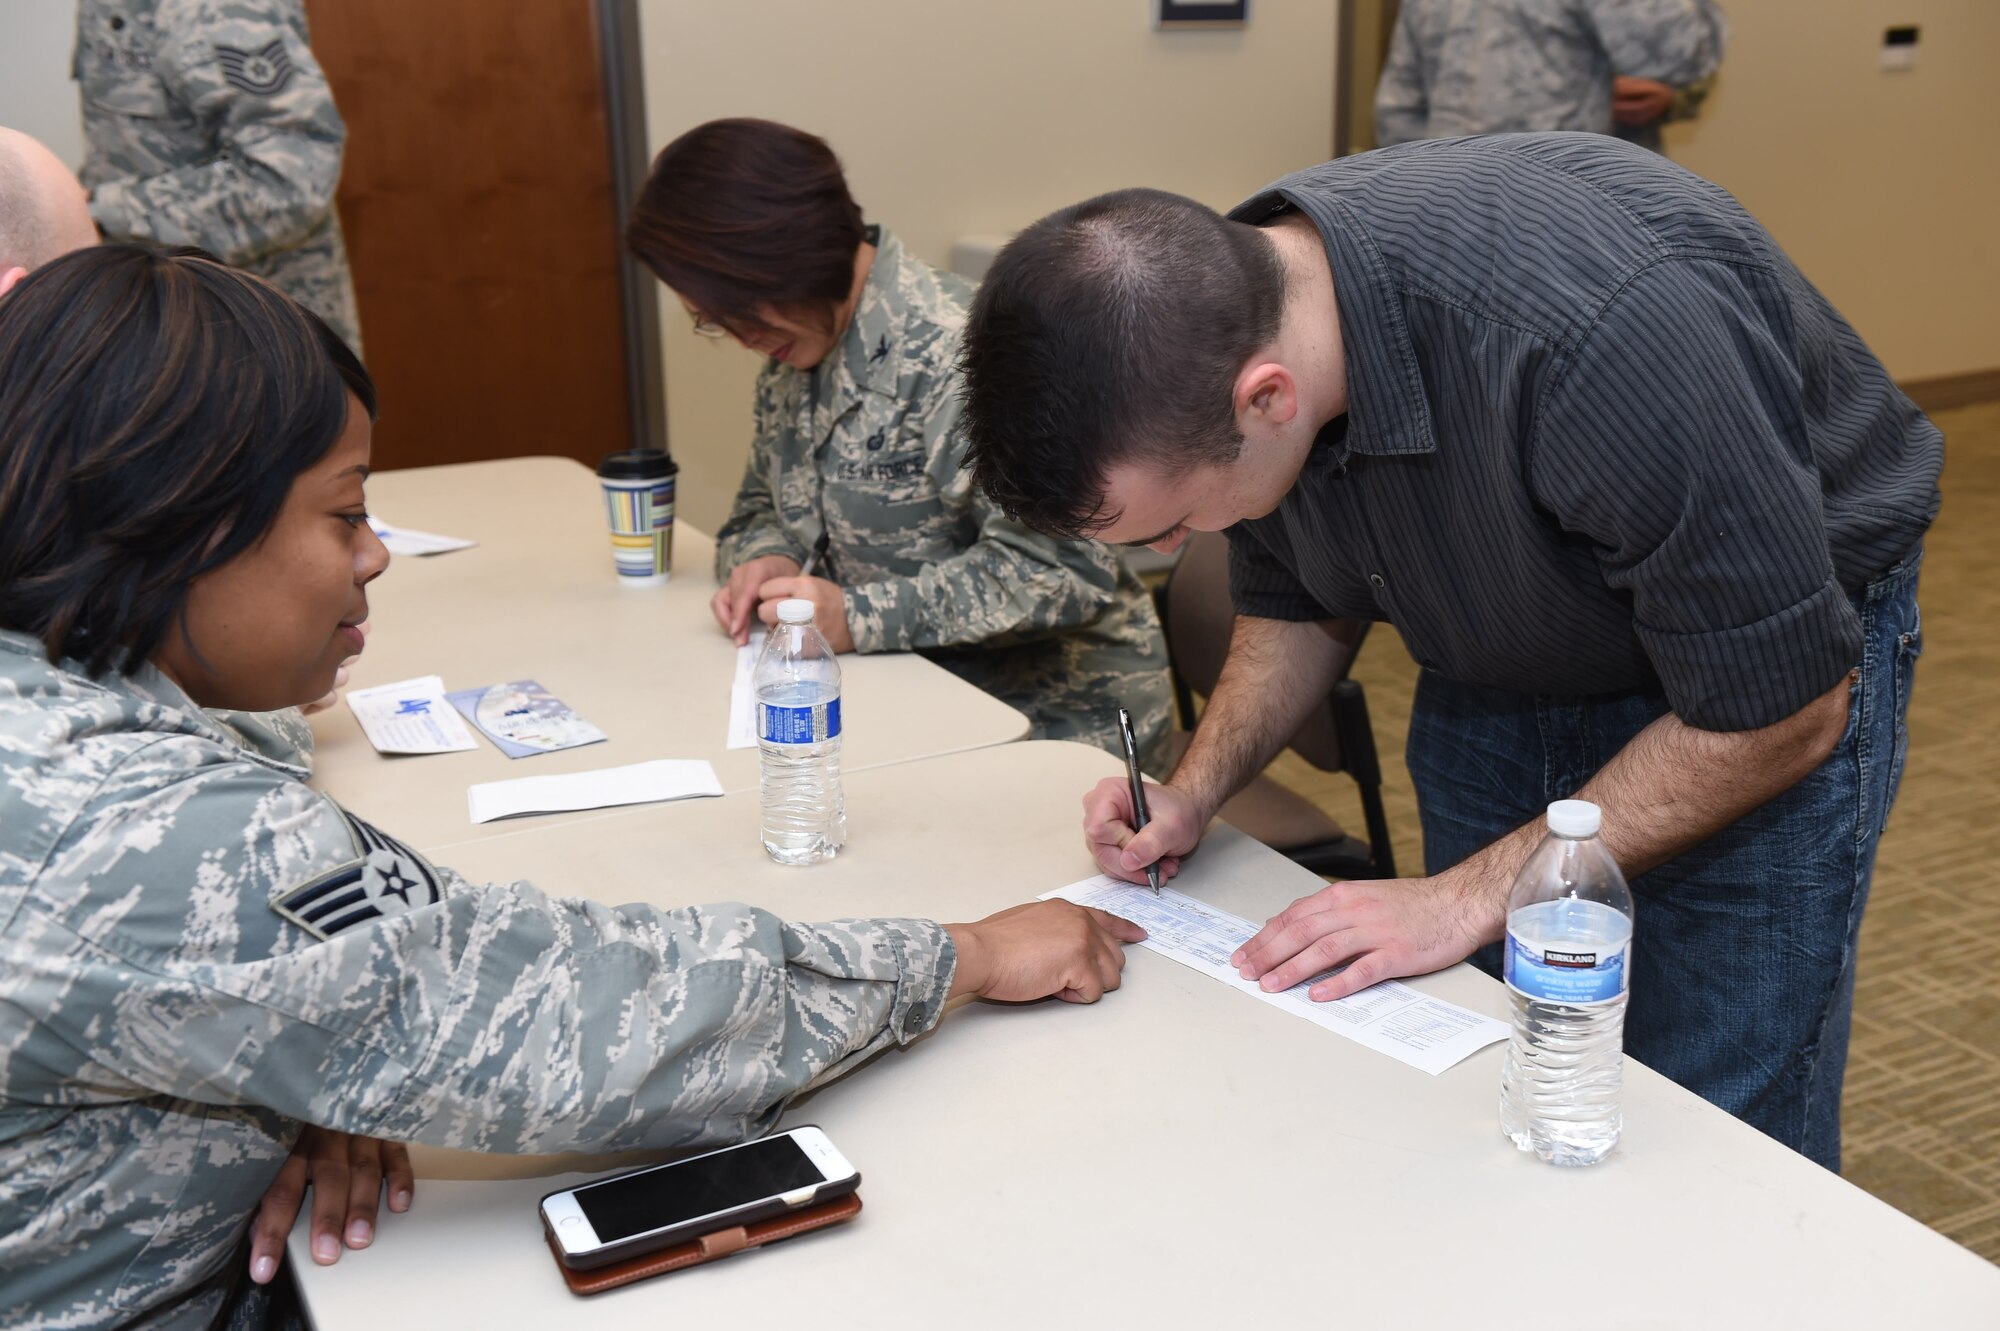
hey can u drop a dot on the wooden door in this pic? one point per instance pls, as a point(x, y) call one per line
point(481, 223)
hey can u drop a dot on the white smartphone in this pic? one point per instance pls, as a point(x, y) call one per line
point(629, 1214)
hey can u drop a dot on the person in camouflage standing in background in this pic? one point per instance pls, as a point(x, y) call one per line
point(200, 955)
point(857, 438)
point(210, 124)
point(1621, 67)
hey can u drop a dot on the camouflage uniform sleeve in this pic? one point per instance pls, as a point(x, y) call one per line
point(1687, 101)
point(1401, 107)
point(490, 1018)
point(753, 528)
point(1676, 42)
point(1009, 580)
point(242, 68)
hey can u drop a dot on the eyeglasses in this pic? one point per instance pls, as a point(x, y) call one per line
point(707, 327)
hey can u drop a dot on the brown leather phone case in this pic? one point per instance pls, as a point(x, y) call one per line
point(707, 1248)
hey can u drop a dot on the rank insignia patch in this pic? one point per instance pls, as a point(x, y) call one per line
point(262, 72)
point(387, 879)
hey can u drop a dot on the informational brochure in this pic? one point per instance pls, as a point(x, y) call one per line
point(523, 718)
point(1427, 1033)
point(410, 716)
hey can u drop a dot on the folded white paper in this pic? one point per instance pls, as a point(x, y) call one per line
point(743, 698)
point(640, 783)
point(410, 716)
point(410, 541)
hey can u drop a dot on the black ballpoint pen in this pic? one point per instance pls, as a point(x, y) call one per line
point(1139, 815)
point(818, 553)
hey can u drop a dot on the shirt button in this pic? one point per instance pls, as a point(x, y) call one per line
point(1378, 581)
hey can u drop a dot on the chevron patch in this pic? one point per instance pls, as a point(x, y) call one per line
point(261, 72)
point(386, 879)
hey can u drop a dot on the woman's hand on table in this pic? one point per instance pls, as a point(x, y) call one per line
point(1043, 948)
point(347, 1174)
point(829, 607)
point(736, 604)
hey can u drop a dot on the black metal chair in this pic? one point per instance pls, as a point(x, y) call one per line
point(1196, 613)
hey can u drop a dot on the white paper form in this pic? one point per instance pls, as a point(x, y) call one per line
point(410, 541)
point(743, 698)
point(638, 783)
point(1391, 1018)
point(410, 716)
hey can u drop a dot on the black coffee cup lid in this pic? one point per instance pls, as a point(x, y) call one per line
point(639, 464)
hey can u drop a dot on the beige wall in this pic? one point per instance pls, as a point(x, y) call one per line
point(36, 94)
point(957, 118)
point(1884, 187)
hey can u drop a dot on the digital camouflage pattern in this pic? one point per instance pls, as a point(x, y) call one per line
point(165, 1030)
point(210, 124)
point(1501, 66)
point(867, 447)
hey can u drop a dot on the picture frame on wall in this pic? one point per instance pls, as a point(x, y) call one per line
point(1201, 13)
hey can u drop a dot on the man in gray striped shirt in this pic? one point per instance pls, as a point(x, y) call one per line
point(1638, 499)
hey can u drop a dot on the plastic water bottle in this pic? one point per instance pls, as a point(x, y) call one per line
point(797, 683)
point(1568, 963)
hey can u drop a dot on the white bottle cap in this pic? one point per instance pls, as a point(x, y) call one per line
point(795, 611)
point(1574, 818)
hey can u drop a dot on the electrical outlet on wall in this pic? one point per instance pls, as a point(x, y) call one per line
point(1899, 47)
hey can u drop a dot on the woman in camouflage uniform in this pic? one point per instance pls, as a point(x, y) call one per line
point(200, 955)
point(857, 439)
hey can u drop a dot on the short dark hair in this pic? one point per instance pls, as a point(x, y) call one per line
point(740, 214)
point(1111, 330)
point(155, 408)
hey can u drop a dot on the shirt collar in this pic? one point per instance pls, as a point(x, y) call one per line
point(155, 704)
point(1387, 412)
point(866, 357)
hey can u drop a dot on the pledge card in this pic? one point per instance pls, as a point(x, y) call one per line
point(523, 718)
point(410, 716)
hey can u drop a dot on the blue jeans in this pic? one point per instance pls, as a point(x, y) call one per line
point(1743, 968)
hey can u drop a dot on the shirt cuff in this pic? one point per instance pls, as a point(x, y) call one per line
point(1297, 609)
point(1758, 674)
point(734, 551)
point(929, 961)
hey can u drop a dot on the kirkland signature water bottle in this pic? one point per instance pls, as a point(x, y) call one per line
point(1568, 958)
point(797, 683)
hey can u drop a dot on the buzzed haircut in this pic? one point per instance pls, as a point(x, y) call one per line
point(27, 231)
point(1110, 331)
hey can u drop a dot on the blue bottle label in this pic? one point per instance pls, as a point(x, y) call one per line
point(798, 725)
point(1575, 974)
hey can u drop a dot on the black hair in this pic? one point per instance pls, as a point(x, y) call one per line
point(740, 215)
point(1112, 330)
point(155, 408)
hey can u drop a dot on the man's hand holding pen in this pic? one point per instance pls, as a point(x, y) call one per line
point(1136, 783)
point(1173, 830)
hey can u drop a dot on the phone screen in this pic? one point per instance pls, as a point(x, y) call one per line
point(619, 1208)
